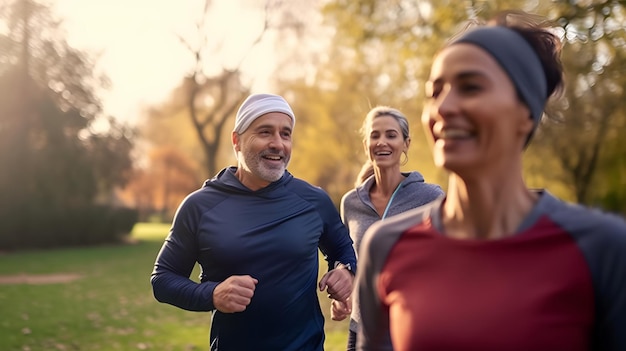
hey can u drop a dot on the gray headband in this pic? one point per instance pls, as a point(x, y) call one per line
point(518, 59)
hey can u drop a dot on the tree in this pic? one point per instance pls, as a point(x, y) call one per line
point(592, 110)
point(157, 189)
point(211, 100)
point(380, 52)
point(52, 160)
point(209, 96)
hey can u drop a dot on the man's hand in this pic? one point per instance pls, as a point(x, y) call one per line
point(234, 293)
point(338, 283)
point(339, 310)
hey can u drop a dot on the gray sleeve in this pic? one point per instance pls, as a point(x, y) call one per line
point(604, 249)
point(602, 239)
point(379, 239)
point(374, 324)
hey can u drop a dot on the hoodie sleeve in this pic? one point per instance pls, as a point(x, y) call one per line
point(175, 262)
point(335, 242)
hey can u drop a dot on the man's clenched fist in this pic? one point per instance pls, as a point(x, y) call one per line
point(234, 293)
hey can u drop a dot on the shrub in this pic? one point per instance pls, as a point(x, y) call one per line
point(39, 227)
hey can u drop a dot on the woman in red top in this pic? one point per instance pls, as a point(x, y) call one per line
point(494, 265)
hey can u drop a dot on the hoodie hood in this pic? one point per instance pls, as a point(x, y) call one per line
point(410, 177)
point(227, 181)
point(407, 198)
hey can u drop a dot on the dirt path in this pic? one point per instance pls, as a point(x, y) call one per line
point(37, 279)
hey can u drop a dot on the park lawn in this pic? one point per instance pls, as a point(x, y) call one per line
point(110, 307)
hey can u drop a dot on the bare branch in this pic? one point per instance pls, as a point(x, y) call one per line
point(260, 36)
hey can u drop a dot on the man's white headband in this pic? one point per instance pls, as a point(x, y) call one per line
point(257, 105)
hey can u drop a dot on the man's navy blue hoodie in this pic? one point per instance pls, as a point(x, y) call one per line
point(272, 234)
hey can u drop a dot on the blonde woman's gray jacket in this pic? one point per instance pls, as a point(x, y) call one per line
point(358, 212)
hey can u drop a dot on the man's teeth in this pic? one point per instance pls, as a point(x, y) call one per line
point(276, 158)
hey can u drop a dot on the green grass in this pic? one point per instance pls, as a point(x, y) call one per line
point(110, 308)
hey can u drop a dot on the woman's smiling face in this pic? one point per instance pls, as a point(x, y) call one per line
point(385, 142)
point(472, 115)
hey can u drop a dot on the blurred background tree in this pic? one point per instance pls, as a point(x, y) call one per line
point(59, 169)
point(333, 61)
point(380, 53)
point(198, 116)
point(356, 54)
point(583, 134)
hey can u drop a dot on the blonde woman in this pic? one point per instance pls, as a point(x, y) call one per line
point(382, 190)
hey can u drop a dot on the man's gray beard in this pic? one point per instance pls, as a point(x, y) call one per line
point(271, 174)
point(255, 165)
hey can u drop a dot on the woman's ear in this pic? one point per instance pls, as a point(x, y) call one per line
point(526, 124)
point(526, 127)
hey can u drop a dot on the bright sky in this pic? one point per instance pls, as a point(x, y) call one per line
point(140, 49)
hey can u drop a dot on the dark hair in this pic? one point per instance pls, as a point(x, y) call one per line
point(536, 31)
point(379, 111)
